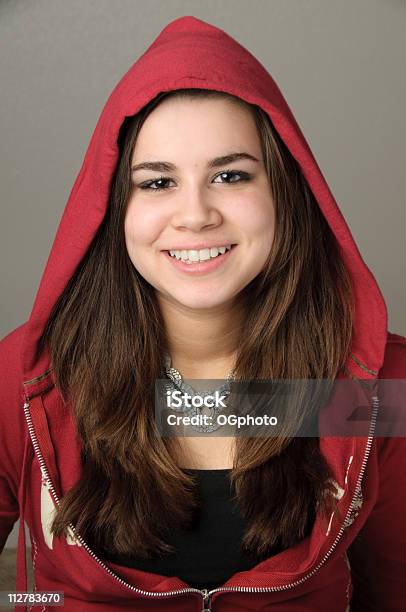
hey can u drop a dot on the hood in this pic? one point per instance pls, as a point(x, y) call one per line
point(192, 53)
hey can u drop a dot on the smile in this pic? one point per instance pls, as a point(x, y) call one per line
point(200, 267)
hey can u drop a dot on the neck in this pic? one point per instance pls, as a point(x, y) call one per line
point(202, 343)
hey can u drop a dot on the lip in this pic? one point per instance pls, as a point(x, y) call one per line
point(200, 267)
point(199, 247)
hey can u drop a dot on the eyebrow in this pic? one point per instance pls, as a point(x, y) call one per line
point(163, 166)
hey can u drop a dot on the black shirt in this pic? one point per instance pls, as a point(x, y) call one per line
point(209, 553)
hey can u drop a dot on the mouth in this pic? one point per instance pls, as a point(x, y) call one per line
point(200, 267)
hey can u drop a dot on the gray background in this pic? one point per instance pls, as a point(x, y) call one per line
point(339, 64)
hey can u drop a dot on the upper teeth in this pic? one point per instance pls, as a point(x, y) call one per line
point(201, 255)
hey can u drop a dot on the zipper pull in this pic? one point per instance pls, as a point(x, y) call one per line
point(206, 601)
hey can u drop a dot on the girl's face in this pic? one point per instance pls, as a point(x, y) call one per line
point(203, 202)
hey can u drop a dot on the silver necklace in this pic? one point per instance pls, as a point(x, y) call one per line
point(177, 383)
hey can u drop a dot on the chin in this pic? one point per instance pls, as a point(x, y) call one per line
point(205, 301)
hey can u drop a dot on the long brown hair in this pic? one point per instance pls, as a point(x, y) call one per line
point(106, 338)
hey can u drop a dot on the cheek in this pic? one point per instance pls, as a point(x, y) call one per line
point(255, 216)
point(131, 235)
point(141, 225)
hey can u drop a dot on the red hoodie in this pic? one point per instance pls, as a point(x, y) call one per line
point(361, 557)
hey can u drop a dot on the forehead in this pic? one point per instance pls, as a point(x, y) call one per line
point(196, 128)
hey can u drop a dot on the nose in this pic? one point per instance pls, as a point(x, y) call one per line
point(195, 209)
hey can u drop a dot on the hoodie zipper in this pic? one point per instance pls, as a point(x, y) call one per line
point(205, 593)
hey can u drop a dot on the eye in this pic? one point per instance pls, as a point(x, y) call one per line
point(147, 184)
point(161, 182)
point(244, 176)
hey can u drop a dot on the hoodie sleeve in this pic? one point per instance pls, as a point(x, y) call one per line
point(378, 554)
point(12, 431)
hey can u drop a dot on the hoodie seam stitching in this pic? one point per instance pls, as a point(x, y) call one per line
point(34, 558)
point(37, 378)
point(362, 366)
